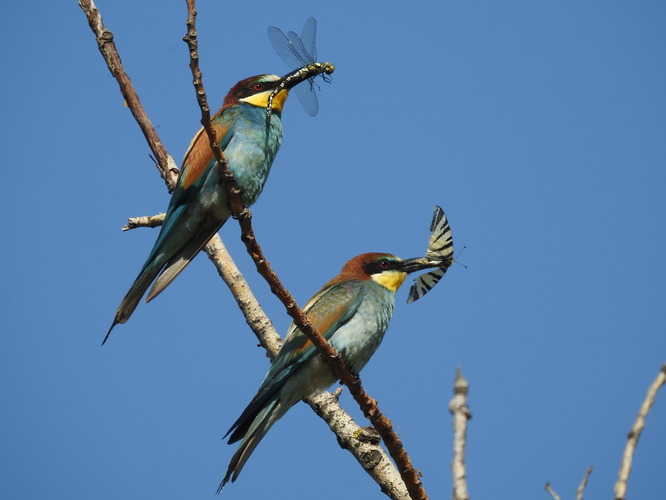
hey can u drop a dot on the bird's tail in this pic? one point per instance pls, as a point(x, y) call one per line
point(251, 431)
point(136, 291)
point(164, 262)
point(180, 260)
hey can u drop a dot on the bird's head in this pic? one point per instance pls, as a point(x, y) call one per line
point(383, 268)
point(256, 90)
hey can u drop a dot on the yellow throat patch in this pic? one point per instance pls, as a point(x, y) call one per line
point(391, 280)
point(261, 100)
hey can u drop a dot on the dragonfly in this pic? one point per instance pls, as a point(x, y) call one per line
point(440, 252)
point(300, 54)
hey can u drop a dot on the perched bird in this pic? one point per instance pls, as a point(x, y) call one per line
point(199, 205)
point(352, 311)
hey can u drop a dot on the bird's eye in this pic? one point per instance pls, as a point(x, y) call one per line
point(384, 264)
point(258, 86)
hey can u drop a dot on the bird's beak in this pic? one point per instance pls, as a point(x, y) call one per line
point(417, 264)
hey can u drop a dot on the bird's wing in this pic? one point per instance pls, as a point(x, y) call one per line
point(329, 309)
point(199, 156)
point(198, 160)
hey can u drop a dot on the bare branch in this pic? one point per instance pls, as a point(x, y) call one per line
point(362, 443)
point(367, 404)
point(254, 315)
point(552, 492)
point(583, 484)
point(461, 414)
point(635, 434)
point(107, 47)
point(325, 405)
point(579, 491)
point(144, 221)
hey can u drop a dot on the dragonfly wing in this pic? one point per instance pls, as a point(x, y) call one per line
point(308, 97)
point(309, 38)
point(298, 52)
point(283, 47)
point(298, 48)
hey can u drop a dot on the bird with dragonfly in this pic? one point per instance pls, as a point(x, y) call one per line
point(249, 138)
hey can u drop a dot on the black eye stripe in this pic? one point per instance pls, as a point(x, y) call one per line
point(379, 266)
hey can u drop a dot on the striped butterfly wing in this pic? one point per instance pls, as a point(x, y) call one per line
point(424, 283)
point(440, 250)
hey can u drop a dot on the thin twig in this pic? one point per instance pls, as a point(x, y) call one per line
point(144, 221)
point(583, 484)
point(552, 492)
point(107, 47)
point(635, 434)
point(461, 414)
point(366, 403)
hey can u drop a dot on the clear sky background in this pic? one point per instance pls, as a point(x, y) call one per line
point(539, 127)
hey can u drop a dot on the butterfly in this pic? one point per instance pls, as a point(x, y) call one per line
point(440, 252)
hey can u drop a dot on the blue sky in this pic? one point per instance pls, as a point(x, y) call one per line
point(539, 127)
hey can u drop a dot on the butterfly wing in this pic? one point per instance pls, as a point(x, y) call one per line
point(424, 283)
point(440, 251)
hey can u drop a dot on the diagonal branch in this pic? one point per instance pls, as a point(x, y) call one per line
point(366, 403)
point(370, 455)
point(166, 165)
point(635, 434)
point(583, 484)
point(552, 493)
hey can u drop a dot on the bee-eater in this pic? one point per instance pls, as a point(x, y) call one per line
point(352, 311)
point(199, 204)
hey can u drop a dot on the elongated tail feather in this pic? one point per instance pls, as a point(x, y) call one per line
point(136, 291)
point(181, 259)
point(255, 433)
point(166, 261)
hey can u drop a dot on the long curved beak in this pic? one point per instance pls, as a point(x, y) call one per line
point(418, 264)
